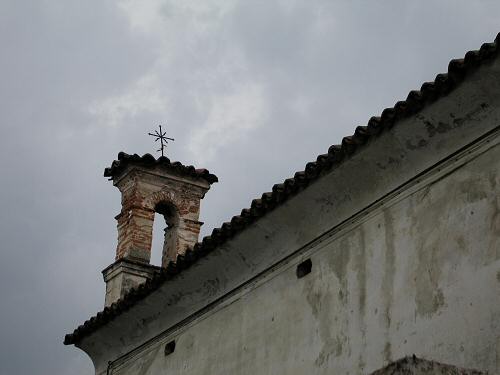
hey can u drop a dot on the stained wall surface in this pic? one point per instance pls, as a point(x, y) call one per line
point(419, 275)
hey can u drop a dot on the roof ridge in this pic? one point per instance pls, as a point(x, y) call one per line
point(124, 159)
point(429, 92)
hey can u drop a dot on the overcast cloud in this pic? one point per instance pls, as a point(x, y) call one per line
point(251, 90)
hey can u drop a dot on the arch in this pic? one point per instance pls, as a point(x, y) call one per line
point(165, 203)
point(159, 197)
point(170, 214)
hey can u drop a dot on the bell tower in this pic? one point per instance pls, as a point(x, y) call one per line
point(148, 186)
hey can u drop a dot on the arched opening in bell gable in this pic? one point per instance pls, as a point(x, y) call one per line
point(165, 231)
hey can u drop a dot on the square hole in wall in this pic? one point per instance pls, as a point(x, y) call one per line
point(170, 347)
point(304, 268)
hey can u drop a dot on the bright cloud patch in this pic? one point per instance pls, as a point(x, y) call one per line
point(144, 16)
point(229, 118)
point(144, 96)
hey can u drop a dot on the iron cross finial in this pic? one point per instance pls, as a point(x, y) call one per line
point(160, 135)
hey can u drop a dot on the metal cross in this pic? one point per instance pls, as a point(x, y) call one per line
point(161, 136)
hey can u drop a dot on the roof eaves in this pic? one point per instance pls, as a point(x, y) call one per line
point(429, 92)
point(149, 160)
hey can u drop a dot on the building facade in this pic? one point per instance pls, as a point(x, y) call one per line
point(388, 246)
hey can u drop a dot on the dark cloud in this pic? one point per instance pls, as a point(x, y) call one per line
point(251, 90)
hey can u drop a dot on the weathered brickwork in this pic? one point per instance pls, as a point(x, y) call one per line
point(146, 191)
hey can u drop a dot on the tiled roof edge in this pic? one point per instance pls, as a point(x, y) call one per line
point(149, 160)
point(404, 366)
point(443, 84)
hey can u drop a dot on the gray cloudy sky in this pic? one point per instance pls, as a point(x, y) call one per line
point(251, 90)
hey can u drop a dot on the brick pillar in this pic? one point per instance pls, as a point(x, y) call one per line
point(179, 238)
point(135, 234)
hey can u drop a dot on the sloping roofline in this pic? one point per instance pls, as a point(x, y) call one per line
point(458, 71)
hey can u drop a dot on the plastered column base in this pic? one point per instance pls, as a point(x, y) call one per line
point(124, 275)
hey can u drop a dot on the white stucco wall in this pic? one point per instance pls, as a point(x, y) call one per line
point(404, 240)
point(419, 274)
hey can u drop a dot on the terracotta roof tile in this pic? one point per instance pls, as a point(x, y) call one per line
point(149, 160)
